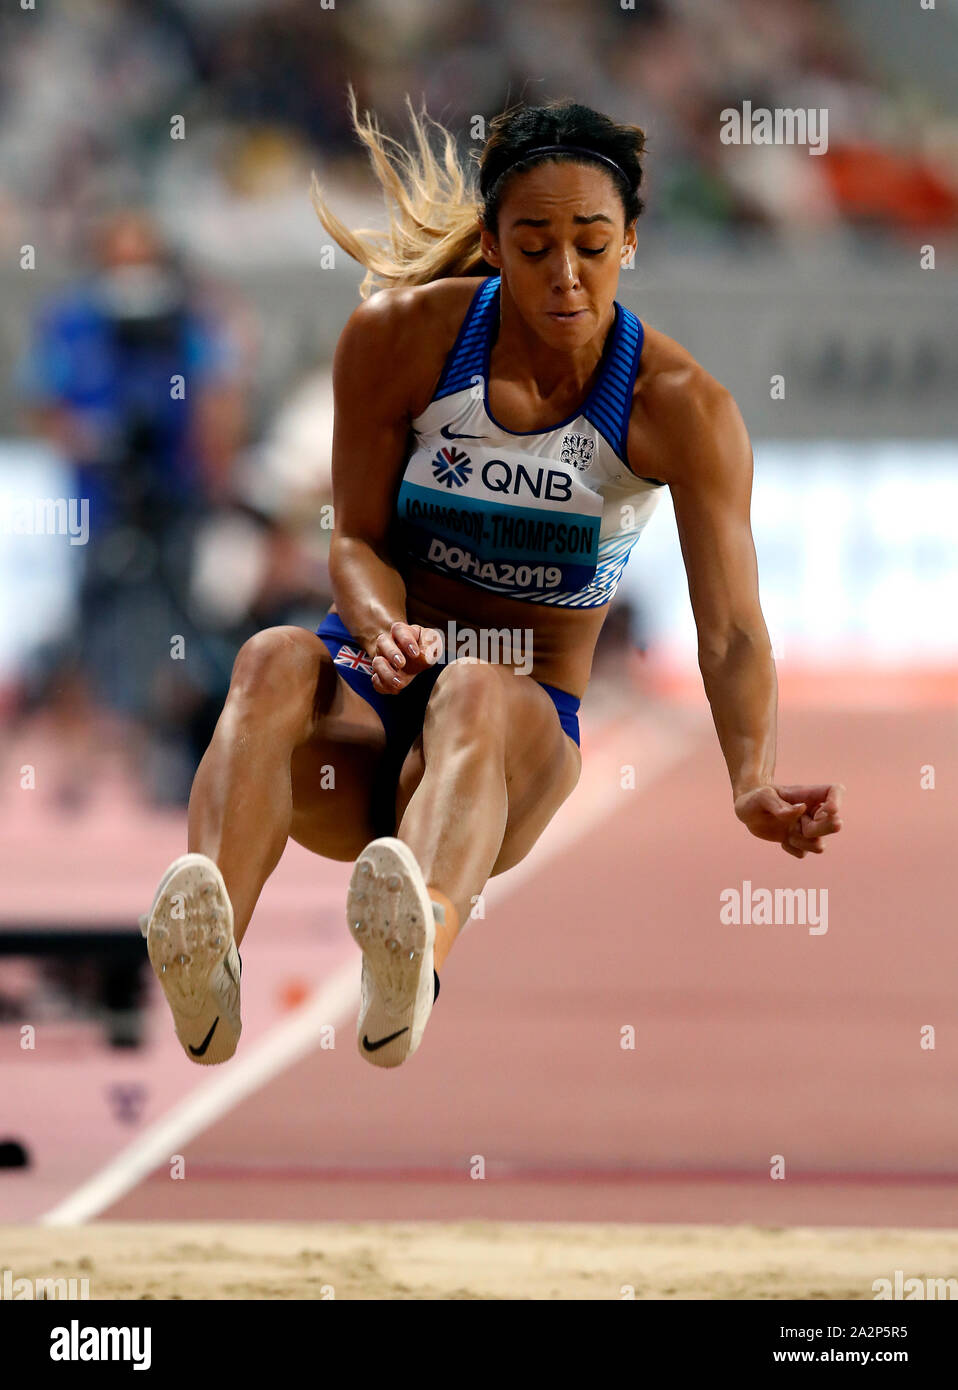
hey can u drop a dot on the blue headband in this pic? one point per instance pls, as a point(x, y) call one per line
point(569, 149)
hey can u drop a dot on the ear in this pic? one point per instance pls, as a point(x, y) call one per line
point(489, 246)
point(629, 243)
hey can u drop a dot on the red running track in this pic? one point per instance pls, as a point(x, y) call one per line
point(750, 1041)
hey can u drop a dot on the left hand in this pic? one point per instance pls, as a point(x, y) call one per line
point(797, 817)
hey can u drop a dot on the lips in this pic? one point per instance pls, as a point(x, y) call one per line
point(567, 317)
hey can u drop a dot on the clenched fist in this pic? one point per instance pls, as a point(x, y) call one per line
point(401, 653)
point(797, 817)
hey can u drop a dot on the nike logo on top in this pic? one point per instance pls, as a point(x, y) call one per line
point(447, 433)
point(375, 1046)
point(201, 1050)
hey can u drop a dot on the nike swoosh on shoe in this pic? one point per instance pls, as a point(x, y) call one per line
point(375, 1046)
point(201, 1050)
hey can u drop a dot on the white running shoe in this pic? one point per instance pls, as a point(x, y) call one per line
point(390, 916)
point(189, 936)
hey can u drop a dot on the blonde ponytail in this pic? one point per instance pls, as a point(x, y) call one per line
point(432, 205)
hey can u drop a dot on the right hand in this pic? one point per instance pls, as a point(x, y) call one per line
point(401, 653)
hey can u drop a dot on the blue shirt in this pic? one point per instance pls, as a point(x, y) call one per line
point(114, 376)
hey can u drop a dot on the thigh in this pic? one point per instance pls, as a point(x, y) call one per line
point(541, 763)
point(333, 772)
point(542, 769)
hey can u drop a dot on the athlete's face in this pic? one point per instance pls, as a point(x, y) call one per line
point(560, 243)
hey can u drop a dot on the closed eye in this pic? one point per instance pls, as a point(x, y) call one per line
point(583, 251)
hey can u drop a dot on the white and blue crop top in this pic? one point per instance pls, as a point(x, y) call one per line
point(547, 516)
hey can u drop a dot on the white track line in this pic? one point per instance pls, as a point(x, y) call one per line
point(597, 794)
point(285, 1043)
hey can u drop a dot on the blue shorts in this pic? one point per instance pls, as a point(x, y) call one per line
point(402, 715)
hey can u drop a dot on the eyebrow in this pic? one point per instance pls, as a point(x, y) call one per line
point(544, 221)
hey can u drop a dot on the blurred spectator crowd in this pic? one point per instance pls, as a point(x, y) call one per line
point(135, 377)
point(88, 90)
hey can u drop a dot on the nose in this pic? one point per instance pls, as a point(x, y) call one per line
point(565, 275)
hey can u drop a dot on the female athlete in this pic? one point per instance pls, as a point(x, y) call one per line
point(503, 428)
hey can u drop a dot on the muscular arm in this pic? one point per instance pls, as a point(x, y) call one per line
point(707, 463)
point(370, 428)
point(390, 351)
point(711, 493)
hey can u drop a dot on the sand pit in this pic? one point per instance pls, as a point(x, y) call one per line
point(473, 1260)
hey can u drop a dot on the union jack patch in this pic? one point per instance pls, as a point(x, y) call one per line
point(577, 449)
point(353, 658)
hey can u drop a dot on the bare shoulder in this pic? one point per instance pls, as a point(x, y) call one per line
point(682, 417)
point(413, 329)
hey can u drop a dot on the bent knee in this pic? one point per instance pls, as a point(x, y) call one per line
point(278, 665)
point(473, 693)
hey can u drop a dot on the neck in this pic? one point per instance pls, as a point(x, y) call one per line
point(522, 356)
